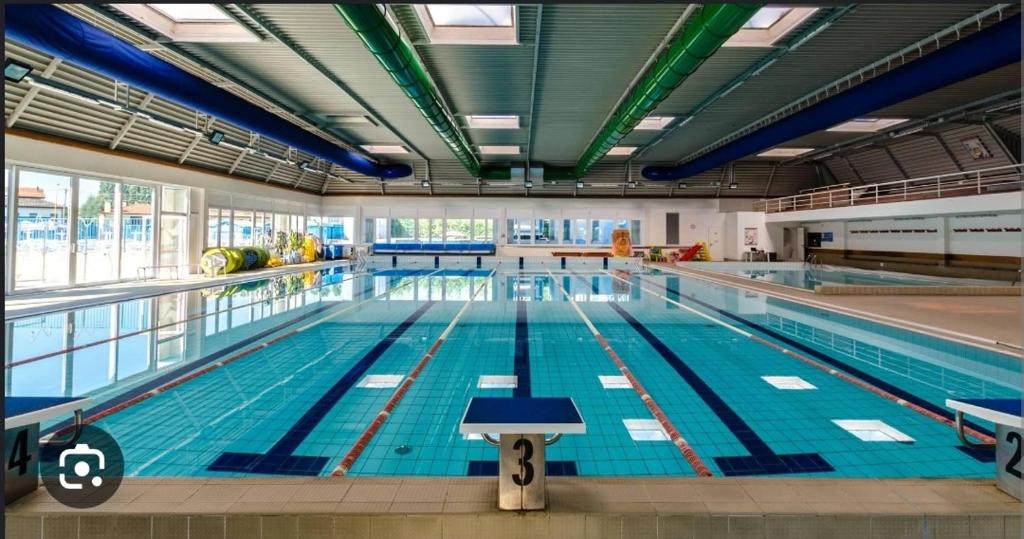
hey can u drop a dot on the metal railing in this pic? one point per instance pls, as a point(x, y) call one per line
point(972, 182)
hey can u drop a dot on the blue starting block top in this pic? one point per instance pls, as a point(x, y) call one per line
point(522, 415)
point(1001, 411)
point(21, 411)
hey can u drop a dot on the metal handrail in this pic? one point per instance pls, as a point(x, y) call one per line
point(954, 184)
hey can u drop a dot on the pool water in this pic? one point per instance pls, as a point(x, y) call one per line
point(809, 278)
point(298, 405)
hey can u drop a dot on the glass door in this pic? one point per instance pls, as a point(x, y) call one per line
point(96, 251)
point(136, 229)
point(42, 253)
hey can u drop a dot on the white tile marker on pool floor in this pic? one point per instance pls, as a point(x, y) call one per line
point(645, 430)
point(489, 381)
point(381, 381)
point(615, 382)
point(872, 430)
point(788, 382)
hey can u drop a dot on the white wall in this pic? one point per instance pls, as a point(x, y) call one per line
point(699, 219)
point(736, 224)
point(987, 234)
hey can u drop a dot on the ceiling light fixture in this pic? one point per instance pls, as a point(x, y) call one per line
point(785, 152)
point(493, 121)
point(384, 148)
point(528, 184)
point(683, 185)
point(15, 71)
point(499, 150)
point(654, 123)
point(622, 150)
point(734, 185)
point(579, 184)
point(215, 137)
point(866, 125)
point(425, 184)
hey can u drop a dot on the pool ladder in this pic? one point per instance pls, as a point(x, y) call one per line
point(812, 261)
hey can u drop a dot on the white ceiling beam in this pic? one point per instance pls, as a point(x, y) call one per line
point(191, 146)
point(272, 172)
point(19, 109)
point(238, 160)
point(131, 122)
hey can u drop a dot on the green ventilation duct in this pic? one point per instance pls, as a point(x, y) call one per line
point(704, 34)
point(368, 22)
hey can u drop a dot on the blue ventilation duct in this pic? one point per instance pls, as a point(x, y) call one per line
point(991, 48)
point(60, 34)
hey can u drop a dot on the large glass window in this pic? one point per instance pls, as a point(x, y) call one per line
point(483, 230)
point(136, 229)
point(403, 230)
point(458, 230)
point(338, 230)
point(242, 229)
point(280, 223)
point(430, 230)
point(213, 228)
point(96, 245)
point(544, 231)
point(174, 228)
point(579, 231)
point(519, 231)
point(42, 244)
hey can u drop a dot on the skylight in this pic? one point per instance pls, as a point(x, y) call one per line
point(493, 121)
point(654, 123)
point(191, 12)
point(785, 152)
point(867, 125)
point(766, 17)
point(384, 148)
point(622, 150)
point(499, 150)
point(469, 24)
point(769, 25)
point(470, 15)
point(190, 23)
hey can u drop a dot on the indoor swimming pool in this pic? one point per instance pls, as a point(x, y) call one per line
point(282, 376)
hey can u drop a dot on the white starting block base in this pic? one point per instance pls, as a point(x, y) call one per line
point(1006, 414)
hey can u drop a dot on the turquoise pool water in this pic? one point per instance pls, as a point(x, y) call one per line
point(298, 405)
point(810, 278)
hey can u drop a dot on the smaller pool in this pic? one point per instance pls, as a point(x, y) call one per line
point(808, 278)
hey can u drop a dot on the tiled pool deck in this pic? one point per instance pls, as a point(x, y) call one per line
point(427, 508)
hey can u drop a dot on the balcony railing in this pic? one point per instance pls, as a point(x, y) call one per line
point(973, 182)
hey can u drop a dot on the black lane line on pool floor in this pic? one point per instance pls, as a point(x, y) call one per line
point(835, 362)
point(523, 389)
point(280, 460)
point(762, 460)
point(205, 360)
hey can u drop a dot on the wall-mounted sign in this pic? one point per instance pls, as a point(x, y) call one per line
point(976, 148)
point(826, 236)
point(750, 237)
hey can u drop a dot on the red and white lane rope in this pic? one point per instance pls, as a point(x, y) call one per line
point(822, 367)
point(216, 365)
point(684, 447)
point(364, 440)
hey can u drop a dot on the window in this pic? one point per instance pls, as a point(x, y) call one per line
point(195, 23)
point(519, 231)
point(403, 230)
point(429, 230)
point(375, 230)
point(483, 230)
point(622, 150)
point(42, 243)
point(544, 231)
point(338, 230)
point(213, 228)
point(136, 229)
point(470, 15)
point(95, 253)
point(242, 229)
point(769, 25)
point(634, 232)
point(601, 231)
point(766, 17)
point(458, 230)
point(567, 231)
point(580, 231)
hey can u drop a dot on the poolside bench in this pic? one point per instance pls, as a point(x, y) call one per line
point(1006, 414)
point(22, 416)
point(521, 424)
point(418, 248)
